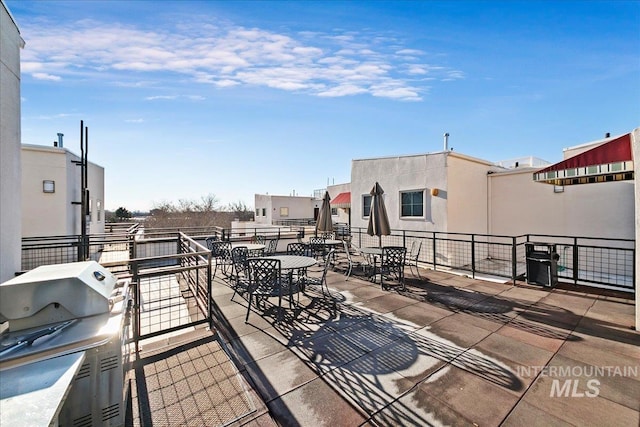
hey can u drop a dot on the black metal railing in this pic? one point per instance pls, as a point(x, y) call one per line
point(602, 262)
point(608, 263)
point(171, 280)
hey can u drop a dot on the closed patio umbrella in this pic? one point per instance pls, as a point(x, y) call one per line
point(378, 219)
point(324, 223)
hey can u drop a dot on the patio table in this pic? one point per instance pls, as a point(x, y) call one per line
point(250, 246)
point(374, 252)
point(294, 262)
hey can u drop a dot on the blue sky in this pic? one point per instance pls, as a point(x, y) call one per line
point(185, 99)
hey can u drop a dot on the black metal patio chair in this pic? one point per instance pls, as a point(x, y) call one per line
point(392, 266)
point(239, 260)
point(221, 254)
point(265, 281)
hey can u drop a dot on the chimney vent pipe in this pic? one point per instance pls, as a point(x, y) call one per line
point(446, 141)
point(607, 135)
point(60, 135)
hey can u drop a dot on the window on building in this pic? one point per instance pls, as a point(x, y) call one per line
point(257, 212)
point(412, 203)
point(90, 209)
point(99, 210)
point(264, 211)
point(284, 211)
point(48, 186)
point(366, 205)
point(334, 211)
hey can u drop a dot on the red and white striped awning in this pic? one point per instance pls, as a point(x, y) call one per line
point(342, 200)
point(611, 161)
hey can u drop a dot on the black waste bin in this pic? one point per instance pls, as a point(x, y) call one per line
point(542, 264)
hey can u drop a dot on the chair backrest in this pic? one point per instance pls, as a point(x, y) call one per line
point(327, 263)
point(258, 238)
point(210, 240)
point(219, 248)
point(301, 249)
point(328, 235)
point(239, 258)
point(270, 247)
point(315, 240)
point(347, 251)
point(264, 274)
point(414, 253)
point(393, 256)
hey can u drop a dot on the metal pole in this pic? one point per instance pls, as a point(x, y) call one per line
point(83, 195)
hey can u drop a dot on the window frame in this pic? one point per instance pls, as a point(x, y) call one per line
point(412, 205)
point(284, 211)
point(366, 213)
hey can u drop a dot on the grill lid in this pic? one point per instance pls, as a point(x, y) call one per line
point(81, 288)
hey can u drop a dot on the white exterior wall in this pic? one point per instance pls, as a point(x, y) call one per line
point(520, 205)
point(467, 194)
point(299, 207)
point(342, 213)
point(460, 204)
point(54, 214)
point(95, 225)
point(396, 174)
point(635, 149)
point(10, 165)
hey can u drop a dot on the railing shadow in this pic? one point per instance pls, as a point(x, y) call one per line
point(519, 314)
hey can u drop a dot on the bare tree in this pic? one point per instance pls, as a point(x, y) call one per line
point(190, 213)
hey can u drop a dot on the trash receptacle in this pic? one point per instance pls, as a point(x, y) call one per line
point(542, 264)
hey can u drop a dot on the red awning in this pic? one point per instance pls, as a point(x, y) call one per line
point(342, 200)
point(611, 161)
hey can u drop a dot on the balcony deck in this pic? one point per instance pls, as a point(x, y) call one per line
point(450, 350)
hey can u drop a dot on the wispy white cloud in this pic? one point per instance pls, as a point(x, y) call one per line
point(134, 120)
point(45, 76)
point(339, 64)
point(156, 97)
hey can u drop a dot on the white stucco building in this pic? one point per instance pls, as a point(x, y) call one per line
point(443, 191)
point(10, 166)
point(272, 209)
point(51, 193)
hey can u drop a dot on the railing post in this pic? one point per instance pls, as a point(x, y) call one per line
point(209, 291)
point(575, 261)
point(514, 262)
point(136, 305)
point(404, 238)
point(434, 250)
point(473, 256)
point(79, 249)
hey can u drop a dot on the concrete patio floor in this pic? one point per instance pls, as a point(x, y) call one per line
point(448, 350)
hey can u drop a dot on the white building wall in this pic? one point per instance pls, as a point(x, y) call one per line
point(342, 213)
point(467, 194)
point(458, 204)
point(95, 176)
point(55, 214)
point(397, 174)
point(298, 207)
point(10, 165)
point(635, 149)
point(521, 206)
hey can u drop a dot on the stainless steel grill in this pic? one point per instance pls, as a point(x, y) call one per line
point(58, 310)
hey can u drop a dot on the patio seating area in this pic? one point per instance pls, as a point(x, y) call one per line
point(445, 350)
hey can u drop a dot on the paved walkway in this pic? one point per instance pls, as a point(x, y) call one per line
point(450, 350)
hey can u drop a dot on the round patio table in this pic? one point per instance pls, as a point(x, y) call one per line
point(249, 246)
point(294, 262)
